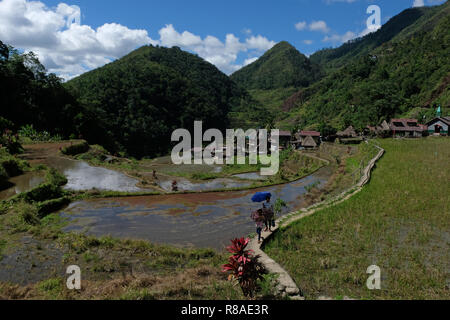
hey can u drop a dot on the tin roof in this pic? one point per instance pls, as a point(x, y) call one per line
point(310, 133)
point(405, 125)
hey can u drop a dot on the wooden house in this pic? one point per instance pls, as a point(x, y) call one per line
point(408, 128)
point(439, 126)
point(307, 139)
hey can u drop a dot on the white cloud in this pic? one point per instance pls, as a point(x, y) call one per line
point(62, 43)
point(369, 30)
point(308, 42)
point(319, 26)
point(250, 61)
point(338, 39)
point(68, 48)
point(301, 25)
point(418, 3)
point(222, 55)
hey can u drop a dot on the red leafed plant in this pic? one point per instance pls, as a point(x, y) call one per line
point(244, 266)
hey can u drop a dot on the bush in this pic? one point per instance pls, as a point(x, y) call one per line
point(11, 142)
point(27, 213)
point(10, 166)
point(54, 177)
point(46, 207)
point(29, 132)
point(42, 192)
point(244, 267)
point(75, 149)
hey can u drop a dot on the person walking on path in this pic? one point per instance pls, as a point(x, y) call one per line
point(269, 214)
point(258, 217)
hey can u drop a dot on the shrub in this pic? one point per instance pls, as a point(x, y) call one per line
point(42, 192)
point(244, 267)
point(27, 213)
point(54, 177)
point(75, 149)
point(46, 207)
point(29, 132)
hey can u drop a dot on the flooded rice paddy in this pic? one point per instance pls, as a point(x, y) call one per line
point(82, 176)
point(198, 220)
point(21, 184)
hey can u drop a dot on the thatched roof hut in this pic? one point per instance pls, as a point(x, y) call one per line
point(347, 133)
point(308, 142)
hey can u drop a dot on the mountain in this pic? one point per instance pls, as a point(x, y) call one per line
point(407, 75)
point(143, 97)
point(282, 66)
point(406, 22)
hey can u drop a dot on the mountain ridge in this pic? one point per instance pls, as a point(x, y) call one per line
point(282, 66)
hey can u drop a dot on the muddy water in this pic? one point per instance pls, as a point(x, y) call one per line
point(250, 176)
point(200, 220)
point(216, 184)
point(21, 184)
point(82, 176)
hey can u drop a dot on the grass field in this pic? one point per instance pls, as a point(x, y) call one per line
point(399, 222)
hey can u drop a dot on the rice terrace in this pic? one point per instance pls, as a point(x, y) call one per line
point(137, 168)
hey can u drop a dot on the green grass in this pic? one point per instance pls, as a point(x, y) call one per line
point(400, 222)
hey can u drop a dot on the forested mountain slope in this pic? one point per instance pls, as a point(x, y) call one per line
point(411, 72)
point(143, 97)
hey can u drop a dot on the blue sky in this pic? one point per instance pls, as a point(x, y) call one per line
point(74, 36)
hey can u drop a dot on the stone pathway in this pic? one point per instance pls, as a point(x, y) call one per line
point(286, 286)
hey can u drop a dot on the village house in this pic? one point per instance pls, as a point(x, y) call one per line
point(307, 140)
point(349, 136)
point(383, 130)
point(285, 138)
point(439, 126)
point(408, 128)
point(347, 133)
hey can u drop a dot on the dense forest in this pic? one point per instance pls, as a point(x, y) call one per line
point(143, 97)
point(406, 76)
point(278, 74)
point(282, 66)
point(332, 59)
point(31, 96)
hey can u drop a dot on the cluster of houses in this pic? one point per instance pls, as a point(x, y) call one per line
point(411, 128)
point(397, 128)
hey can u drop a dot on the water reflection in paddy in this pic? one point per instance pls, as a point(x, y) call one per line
point(250, 176)
point(82, 176)
point(201, 220)
point(216, 184)
point(21, 184)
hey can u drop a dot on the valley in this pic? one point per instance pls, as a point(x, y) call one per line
point(87, 177)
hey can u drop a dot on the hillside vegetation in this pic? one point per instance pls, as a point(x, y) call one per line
point(31, 96)
point(270, 80)
point(143, 97)
point(334, 58)
point(280, 67)
point(408, 72)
